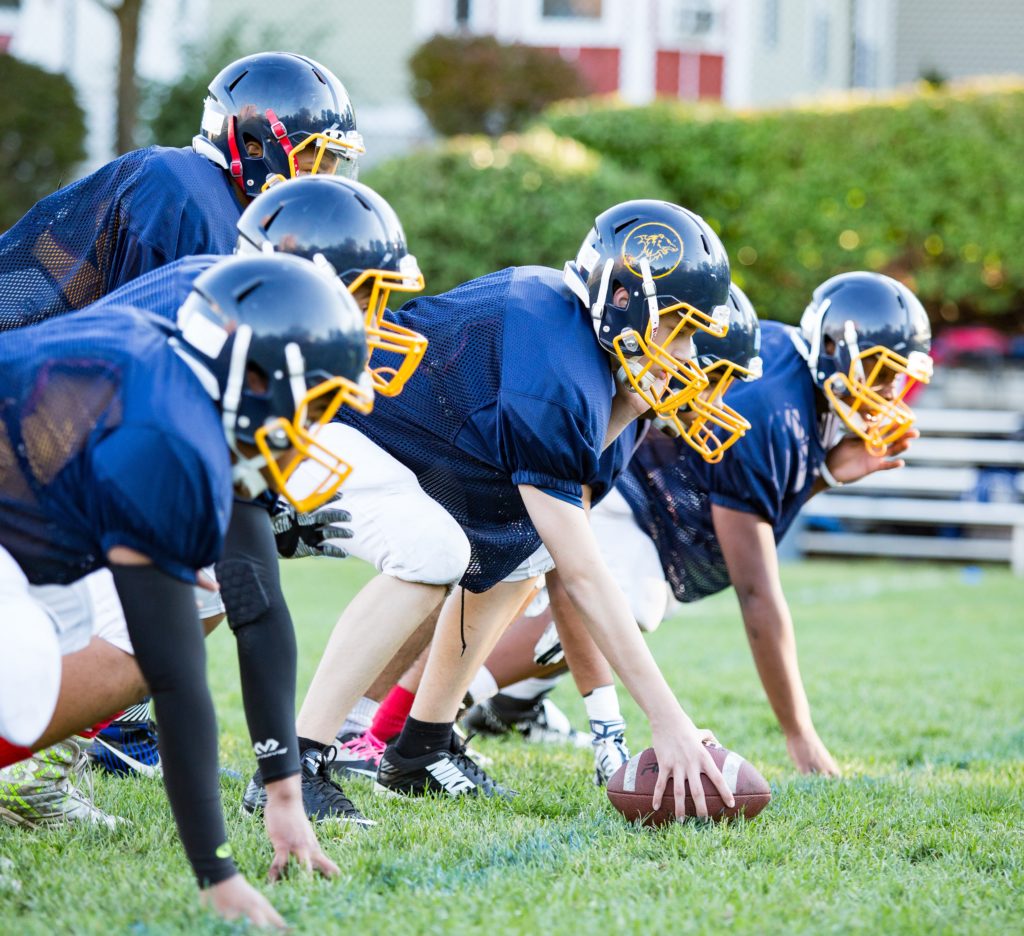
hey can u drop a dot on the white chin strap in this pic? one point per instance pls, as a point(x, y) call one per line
point(650, 294)
point(245, 472)
point(815, 329)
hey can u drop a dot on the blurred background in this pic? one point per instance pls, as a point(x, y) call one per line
point(816, 136)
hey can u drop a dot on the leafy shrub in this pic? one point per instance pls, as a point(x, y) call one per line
point(474, 84)
point(473, 205)
point(924, 186)
point(42, 129)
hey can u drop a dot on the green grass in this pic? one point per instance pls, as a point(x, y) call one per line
point(915, 676)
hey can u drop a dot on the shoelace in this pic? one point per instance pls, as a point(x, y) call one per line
point(366, 746)
point(469, 766)
point(326, 785)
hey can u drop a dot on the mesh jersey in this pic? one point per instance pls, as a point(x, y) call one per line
point(107, 438)
point(514, 389)
point(769, 472)
point(135, 214)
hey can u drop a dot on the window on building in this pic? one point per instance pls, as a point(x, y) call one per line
point(462, 12)
point(571, 9)
point(771, 23)
point(693, 18)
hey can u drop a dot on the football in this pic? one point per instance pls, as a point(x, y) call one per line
point(631, 789)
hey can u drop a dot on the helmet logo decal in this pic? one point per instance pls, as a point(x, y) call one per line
point(658, 244)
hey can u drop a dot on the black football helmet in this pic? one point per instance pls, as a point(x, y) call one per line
point(868, 339)
point(286, 326)
point(279, 106)
point(713, 426)
point(359, 235)
point(669, 260)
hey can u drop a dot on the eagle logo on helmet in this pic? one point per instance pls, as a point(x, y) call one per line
point(658, 244)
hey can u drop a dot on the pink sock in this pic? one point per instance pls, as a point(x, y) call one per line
point(393, 711)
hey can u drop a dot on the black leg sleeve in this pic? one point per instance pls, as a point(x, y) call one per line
point(250, 584)
point(168, 641)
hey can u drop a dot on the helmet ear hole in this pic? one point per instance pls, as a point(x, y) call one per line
point(829, 346)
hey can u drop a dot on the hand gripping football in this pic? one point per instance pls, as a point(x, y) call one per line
point(631, 789)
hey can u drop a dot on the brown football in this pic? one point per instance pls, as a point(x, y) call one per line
point(631, 789)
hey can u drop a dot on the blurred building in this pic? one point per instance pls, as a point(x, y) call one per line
point(746, 53)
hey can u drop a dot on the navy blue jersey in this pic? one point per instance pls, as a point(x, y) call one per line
point(161, 292)
point(107, 438)
point(769, 472)
point(135, 214)
point(514, 389)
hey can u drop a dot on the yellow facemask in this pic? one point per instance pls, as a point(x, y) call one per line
point(876, 418)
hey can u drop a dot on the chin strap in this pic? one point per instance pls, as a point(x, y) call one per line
point(245, 472)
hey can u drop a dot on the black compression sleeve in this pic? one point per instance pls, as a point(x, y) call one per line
point(250, 585)
point(168, 641)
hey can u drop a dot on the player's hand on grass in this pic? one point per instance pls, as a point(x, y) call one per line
point(810, 755)
point(290, 832)
point(849, 460)
point(682, 756)
point(236, 898)
point(315, 533)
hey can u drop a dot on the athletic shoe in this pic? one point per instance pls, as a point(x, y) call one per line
point(38, 792)
point(453, 773)
point(538, 721)
point(323, 799)
point(357, 755)
point(128, 745)
point(610, 751)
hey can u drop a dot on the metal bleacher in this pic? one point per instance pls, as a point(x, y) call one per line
point(960, 496)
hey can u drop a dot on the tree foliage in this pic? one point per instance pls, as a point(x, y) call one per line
point(473, 205)
point(475, 84)
point(924, 186)
point(42, 129)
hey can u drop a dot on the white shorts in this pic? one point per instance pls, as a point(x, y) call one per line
point(396, 526)
point(539, 562)
point(633, 560)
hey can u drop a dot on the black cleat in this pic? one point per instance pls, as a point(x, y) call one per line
point(453, 773)
point(322, 797)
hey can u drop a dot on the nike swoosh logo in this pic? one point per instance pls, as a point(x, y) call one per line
point(147, 770)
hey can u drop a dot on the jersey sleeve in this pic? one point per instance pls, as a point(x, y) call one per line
point(546, 445)
point(154, 493)
point(753, 476)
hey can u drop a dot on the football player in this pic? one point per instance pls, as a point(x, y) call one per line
point(267, 116)
point(483, 461)
point(677, 528)
point(342, 224)
point(125, 441)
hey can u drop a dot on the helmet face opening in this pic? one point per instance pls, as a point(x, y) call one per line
point(868, 339)
point(869, 396)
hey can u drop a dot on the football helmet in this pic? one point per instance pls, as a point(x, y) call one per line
point(714, 426)
point(868, 339)
point(669, 260)
point(287, 326)
point(265, 110)
point(359, 234)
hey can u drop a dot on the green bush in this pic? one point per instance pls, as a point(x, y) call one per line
point(473, 205)
point(925, 186)
point(41, 133)
point(474, 84)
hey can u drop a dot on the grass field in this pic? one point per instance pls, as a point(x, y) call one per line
point(916, 680)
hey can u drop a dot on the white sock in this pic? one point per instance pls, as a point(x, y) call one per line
point(483, 685)
point(531, 688)
point(603, 704)
point(360, 718)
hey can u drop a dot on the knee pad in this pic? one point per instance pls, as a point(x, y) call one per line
point(245, 598)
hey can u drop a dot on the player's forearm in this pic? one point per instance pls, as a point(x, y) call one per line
point(606, 614)
point(772, 641)
point(265, 637)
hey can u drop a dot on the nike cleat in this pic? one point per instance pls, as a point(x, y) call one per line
point(357, 755)
point(38, 792)
point(538, 721)
point(452, 773)
point(324, 799)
